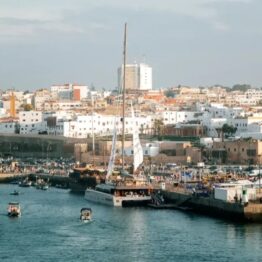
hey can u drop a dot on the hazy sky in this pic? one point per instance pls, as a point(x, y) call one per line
point(190, 42)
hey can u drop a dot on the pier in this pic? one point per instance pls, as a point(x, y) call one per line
point(250, 212)
point(9, 177)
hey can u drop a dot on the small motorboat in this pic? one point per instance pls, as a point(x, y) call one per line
point(86, 214)
point(15, 193)
point(45, 187)
point(41, 184)
point(25, 183)
point(14, 209)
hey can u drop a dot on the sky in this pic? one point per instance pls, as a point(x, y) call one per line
point(187, 42)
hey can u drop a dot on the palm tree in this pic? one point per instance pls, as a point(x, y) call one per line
point(158, 127)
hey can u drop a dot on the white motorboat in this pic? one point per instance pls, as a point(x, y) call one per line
point(86, 214)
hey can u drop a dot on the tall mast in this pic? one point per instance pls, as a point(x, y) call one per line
point(124, 98)
point(93, 133)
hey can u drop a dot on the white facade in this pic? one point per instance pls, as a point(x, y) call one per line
point(174, 117)
point(145, 79)
point(65, 105)
point(65, 92)
point(84, 125)
point(229, 193)
point(8, 127)
point(40, 98)
point(31, 122)
point(149, 149)
point(82, 89)
point(2, 112)
point(254, 130)
point(220, 111)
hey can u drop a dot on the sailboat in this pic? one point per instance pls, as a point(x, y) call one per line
point(125, 189)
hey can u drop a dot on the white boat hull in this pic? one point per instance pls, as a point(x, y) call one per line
point(99, 197)
point(111, 200)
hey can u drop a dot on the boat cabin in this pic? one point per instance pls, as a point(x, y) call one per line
point(14, 209)
point(85, 214)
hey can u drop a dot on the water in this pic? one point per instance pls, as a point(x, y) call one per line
point(49, 230)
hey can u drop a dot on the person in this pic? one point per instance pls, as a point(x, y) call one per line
point(235, 197)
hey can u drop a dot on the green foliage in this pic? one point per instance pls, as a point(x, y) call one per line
point(158, 127)
point(229, 130)
point(241, 87)
point(170, 93)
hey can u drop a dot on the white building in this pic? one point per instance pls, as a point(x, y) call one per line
point(174, 117)
point(2, 112)
point(31, 122)
point(138, 77)
point(69, 91)
point(83, 126)
point(8, 127)
point(61, 105)
point(149, 149)
point(40, 97)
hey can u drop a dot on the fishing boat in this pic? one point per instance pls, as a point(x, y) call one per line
point(25, 183)
point(123, 189)
point(86, 214)
point(14, 209)
point(15, 193)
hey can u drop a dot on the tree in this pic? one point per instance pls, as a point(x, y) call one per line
point(27, 107)
point(228, 130)
point(170, 93)
point(158, 127)
point(241, 87)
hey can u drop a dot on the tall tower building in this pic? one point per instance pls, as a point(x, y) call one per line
point(138, 77)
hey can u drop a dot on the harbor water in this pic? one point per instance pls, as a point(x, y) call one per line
point(50, 230)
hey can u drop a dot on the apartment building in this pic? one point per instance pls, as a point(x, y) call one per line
point(137, 77)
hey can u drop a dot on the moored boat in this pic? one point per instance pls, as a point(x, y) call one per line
point(25, 183)
point(123, 189)
point(83, 177)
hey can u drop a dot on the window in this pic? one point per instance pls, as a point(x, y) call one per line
point(251, 152)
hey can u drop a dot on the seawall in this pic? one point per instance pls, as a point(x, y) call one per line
point(214, 207)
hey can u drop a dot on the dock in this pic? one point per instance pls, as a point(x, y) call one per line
point(9, 177)
point(251, 212)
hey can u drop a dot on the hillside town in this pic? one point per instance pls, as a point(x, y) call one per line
point(181, 124)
